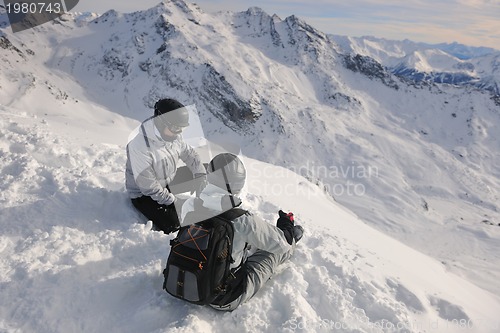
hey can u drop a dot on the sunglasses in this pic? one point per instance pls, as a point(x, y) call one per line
point(174, 128)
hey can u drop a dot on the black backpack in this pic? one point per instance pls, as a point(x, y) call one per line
point(198, 266)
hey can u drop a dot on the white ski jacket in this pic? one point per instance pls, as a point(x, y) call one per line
point(152, 163)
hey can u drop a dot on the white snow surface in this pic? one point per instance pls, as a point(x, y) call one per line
point(75, 257)
point(417, 251)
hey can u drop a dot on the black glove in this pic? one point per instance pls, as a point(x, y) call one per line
point(286, 223)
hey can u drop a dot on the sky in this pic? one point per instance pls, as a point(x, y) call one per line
point(470, 22)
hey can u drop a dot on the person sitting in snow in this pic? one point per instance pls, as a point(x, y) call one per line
point(274, 244)
point(152, 177)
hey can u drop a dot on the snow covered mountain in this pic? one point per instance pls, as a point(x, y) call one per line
point(416, 162)
point(461, 51)
point(440, 63)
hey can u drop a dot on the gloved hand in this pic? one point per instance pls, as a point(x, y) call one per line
point(286, 223)
point(170, 199)
point(286, 217)
point(201, 183)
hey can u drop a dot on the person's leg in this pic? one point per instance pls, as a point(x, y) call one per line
point(164, 217)
point(261, 266)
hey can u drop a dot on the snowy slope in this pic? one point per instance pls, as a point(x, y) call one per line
point(419, 163)
point(75, 257)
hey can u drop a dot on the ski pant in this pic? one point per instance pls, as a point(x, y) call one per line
point(260, 267)
point(165, 217)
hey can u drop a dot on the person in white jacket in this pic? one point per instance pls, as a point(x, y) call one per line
point(272, 245)
point(152, 176)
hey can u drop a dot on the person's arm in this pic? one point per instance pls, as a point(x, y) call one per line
point(189, 156)
point(144, 175)
point(261, 234)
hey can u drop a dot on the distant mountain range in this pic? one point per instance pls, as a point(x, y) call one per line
point(453, 63)
point(449, 63)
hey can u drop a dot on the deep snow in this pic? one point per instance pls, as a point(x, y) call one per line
point(77, 258)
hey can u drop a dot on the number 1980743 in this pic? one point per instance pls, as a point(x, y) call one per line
point(34, 8)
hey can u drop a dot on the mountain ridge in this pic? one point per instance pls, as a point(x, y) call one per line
point(454, 63)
